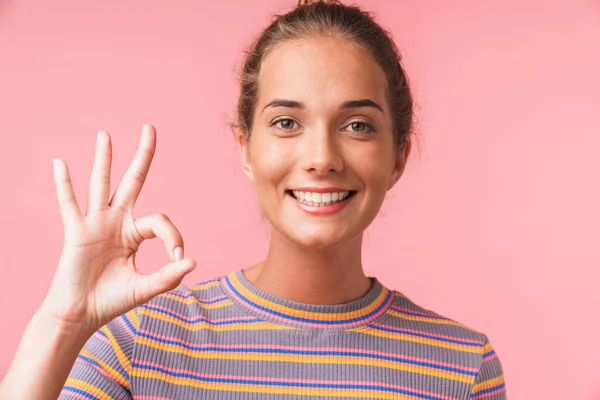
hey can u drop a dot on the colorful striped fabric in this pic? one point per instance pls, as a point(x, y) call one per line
point(227, 339)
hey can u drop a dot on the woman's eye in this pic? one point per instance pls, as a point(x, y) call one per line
point(285, 123)
point(358, 126)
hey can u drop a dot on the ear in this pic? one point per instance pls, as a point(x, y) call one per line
point(402, 154)
point(244, 149)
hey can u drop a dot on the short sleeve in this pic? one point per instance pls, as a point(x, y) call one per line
point(102, 368)
point(489, 384)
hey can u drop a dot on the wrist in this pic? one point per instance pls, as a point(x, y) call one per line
point(63, 329)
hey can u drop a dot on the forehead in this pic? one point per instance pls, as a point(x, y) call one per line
point(321, 71)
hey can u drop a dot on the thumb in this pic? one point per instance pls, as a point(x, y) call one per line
point(167, 278)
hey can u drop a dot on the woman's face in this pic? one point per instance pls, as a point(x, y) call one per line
point(321, 152)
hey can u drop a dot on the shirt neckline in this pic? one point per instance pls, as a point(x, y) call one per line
point(306, 316)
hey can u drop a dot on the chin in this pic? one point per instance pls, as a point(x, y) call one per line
point(316, 244)
point(317, 241)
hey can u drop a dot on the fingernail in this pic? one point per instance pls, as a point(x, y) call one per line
point(178, 254)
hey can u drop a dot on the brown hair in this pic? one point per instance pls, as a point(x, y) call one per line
point(329, 18)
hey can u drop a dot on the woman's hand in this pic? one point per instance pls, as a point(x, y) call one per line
point(96, 279)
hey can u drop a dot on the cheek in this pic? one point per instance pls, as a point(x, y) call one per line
point(271, 163)
point(374, 166)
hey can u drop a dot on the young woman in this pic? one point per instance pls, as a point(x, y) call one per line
point(324, 131)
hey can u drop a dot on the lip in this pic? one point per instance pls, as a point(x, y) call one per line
point(321, 190)
point(321, 210)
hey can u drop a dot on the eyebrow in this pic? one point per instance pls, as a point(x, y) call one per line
point(349, 104)
point(362, 103)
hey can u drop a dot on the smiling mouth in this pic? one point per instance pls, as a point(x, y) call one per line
point(320, 199)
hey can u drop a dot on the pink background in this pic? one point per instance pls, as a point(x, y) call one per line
point(495, 224)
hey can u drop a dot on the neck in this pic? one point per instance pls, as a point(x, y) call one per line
point(332, 276)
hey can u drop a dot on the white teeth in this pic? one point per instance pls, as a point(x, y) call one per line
point(319, 199)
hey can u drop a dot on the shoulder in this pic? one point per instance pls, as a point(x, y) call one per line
point(204, 292)
point(429, 333)
point(185, 302)
point(408, 318)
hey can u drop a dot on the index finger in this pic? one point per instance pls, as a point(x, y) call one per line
point(132, 182)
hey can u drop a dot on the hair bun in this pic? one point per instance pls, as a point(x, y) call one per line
point(307, 2)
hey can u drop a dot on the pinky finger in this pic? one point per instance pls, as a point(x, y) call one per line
point(69, 209)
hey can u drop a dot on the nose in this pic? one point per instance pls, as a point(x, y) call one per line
point(321, 153)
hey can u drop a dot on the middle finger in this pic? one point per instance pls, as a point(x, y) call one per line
point(131, 185)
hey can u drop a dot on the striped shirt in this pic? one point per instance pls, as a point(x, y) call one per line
point(227, 339)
